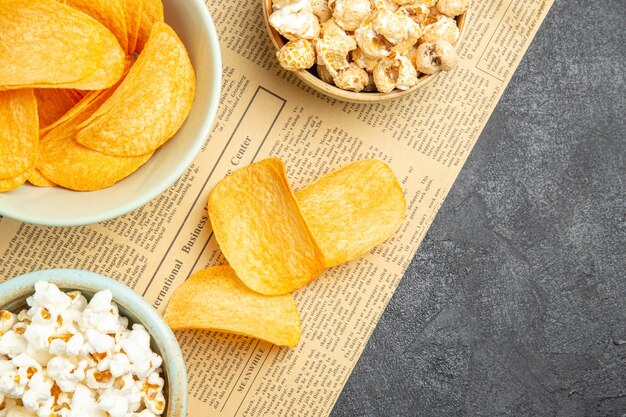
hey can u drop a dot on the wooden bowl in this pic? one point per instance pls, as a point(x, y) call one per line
point(314, 81)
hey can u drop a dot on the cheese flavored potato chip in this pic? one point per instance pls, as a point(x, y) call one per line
point(260, 230)
point(150, 105)
point(19, 132)
point(53, 103)
point(9, 184)
point(67, 163)
point(38, 180)
point(151, 14)
point(353, 209)
point(215, 299)
point(132, 10)
point(45, 42)
point(112, 67)
point(108, 12)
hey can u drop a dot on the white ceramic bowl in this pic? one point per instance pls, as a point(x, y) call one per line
point(60, 207)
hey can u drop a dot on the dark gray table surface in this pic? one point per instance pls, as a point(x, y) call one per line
point(515, 304)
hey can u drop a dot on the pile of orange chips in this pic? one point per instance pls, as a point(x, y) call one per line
point(77, 108)
point(277, 241)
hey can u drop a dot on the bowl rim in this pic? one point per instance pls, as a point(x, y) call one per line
point(176, 172)
point(350, 96)
point(16, 289)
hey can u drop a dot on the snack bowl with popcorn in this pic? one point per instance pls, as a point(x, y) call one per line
point(74, 343)
point(366, 50)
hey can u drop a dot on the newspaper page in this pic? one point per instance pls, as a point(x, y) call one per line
point(265, 111)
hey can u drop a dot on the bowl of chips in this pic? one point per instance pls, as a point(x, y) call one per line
point(366, 51)
point(109, 111)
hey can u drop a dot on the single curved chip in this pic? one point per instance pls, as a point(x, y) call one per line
point(46, 42)
point(260, 230)
point(9, 184)
point(151, 14)
point(112, 67)
point(19, 132)
point(353, 209)
point(215, 299)
point(36, 178)
point(69, 164)
point(151, 103)
point(53, 103)
point(109, 13)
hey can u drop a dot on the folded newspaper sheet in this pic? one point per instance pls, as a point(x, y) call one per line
point(265, 111)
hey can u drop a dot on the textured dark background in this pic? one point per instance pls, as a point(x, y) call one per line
point(515, 304)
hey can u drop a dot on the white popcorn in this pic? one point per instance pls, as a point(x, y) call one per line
point(38, 335)
point(155, 362)
point(49, 296)
point(66, 357)
point(99, 314)
point(11, 383)
point(100, 342)
point(84, 404)
point(71, 347)
point(19, 411)
point(7, 320)
point(114, 402)
point(38, 391)
point(65, 373)
point(99, 380)
point(55, 406)
point(136, 345)
point(6, 365)
point(157, 404)
point(119, 365)
point(132, 389)
point(69, 319)
point(23, 360)
point(46, 408)
point(12, 344)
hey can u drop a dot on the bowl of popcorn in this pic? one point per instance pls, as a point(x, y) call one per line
point(77, 344)
point(366, 50)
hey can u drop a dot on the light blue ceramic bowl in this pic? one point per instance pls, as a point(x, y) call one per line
point(13, 294)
